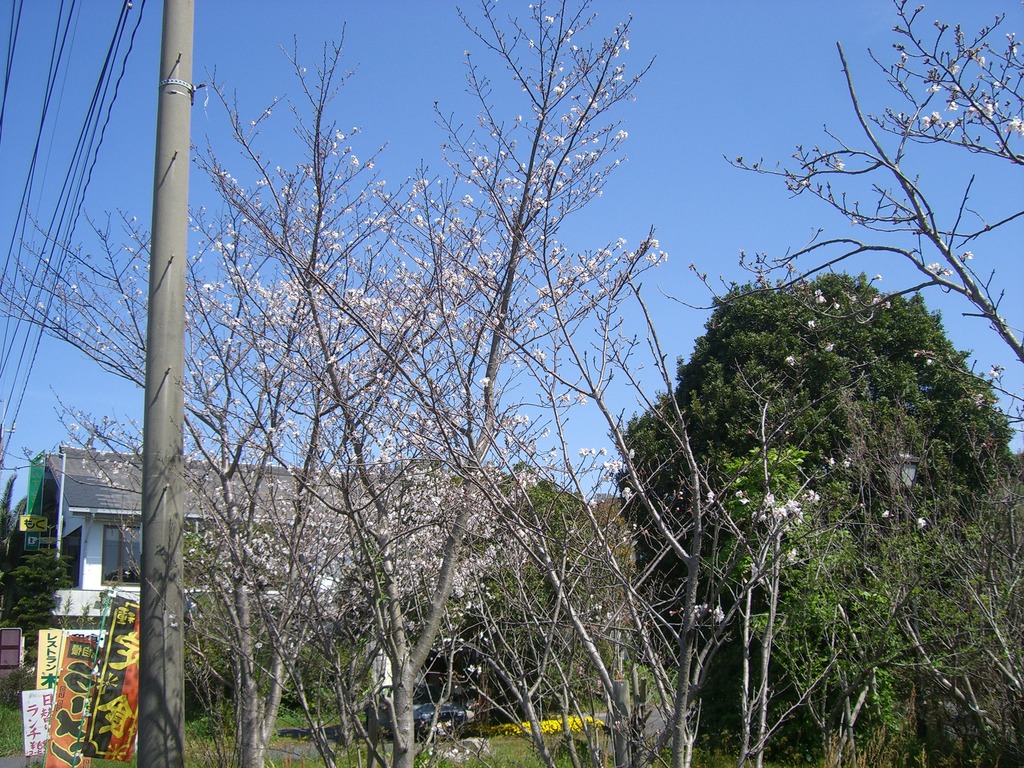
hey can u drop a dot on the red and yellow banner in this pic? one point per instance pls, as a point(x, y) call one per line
point(69, 703)
point(113, 711)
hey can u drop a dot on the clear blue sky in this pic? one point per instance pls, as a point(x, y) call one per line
point(748, 77)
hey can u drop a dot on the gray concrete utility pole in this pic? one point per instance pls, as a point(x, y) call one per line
point(162, 647)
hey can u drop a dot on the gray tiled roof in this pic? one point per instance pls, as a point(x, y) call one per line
point(98, 481)
point(111, 483)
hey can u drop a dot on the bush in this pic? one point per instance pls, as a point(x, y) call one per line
point(13, 683)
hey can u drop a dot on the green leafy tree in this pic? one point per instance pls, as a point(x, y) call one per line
point(7, 526)
point(6, 513)
point(35, 580)
point(828, 353)
point(862, 386)
point(28, 580)
point(858, 381)
point(9, 542)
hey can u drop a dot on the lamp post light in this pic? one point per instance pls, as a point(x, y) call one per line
point(905, 476)
point(908, 465)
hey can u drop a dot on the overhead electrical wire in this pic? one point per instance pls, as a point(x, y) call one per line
point(14, 250)
point(12, 43)
point(38, 275)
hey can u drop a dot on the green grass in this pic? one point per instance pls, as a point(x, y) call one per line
point(505, 752)
point(11, 739)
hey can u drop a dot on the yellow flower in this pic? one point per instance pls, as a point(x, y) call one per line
point(548, 727)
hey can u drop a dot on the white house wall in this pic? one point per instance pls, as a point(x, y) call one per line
point(92, 555)
point(87, 600)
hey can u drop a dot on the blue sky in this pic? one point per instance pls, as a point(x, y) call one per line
point(748, 78)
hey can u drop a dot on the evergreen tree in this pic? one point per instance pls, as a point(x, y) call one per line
point(28, 580)
point(34, 583)
point(8, 531)
point(862, 387)
point(857, 380)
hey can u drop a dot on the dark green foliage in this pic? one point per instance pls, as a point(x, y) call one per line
point(34, 583)
point(13, 683)
point(837, 370)
point(29, 581)
point(11, 543)
point(7, 518)
point(854, 383)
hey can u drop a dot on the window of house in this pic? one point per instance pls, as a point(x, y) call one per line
point(71, 549)
point(122, 550)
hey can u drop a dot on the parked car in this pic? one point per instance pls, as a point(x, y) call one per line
point(440, 719)
point(332, 732)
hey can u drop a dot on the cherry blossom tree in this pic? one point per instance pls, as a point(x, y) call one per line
point(378, 378)
point(248, 435)
point(442, 313)
point(254, 428)
point(956, 102)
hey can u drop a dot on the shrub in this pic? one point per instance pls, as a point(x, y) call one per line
point(13, 683)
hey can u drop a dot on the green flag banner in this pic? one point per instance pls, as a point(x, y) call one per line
point(35, 484)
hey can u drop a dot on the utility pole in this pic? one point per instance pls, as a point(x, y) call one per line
point(162, 647)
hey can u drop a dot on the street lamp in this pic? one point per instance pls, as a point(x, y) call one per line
point(908, 469)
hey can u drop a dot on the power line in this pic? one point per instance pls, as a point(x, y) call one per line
point(36, 279)
point(12, 42)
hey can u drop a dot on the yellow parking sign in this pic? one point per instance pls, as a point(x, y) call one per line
point(33, 523)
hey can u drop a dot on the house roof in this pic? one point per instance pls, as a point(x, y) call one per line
point(98, 481)
point(111, 483)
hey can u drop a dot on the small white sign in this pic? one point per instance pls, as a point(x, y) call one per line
point(35, 713)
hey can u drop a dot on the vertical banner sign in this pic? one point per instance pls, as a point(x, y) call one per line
point(69, 700)
point(35, 714)
point(51, 643)
point(113, 712)
point(36, 474)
